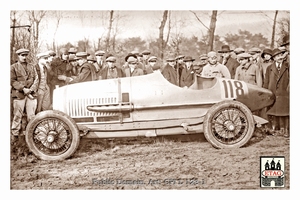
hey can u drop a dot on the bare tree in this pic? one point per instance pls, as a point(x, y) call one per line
point(35, 18)
point(211, 29)
point(273, 29)
point(162, 42)
point(58, 16)
point(20, 37)
point(111, 19)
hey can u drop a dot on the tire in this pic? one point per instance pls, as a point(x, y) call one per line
point(228, 124)
point(52, 135)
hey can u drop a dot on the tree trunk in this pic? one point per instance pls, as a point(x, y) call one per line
point(161, 34)
point(109, 30)
point(211, 31)
point(273, 30)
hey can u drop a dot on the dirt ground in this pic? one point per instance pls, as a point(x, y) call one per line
point(163, 163)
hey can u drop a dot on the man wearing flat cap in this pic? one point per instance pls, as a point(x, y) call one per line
point(227, 60)
point(187, 76)
point(72, 51)
point(132, 69)
point(43, 92)
point(86, 72)
point(170, 72)
point(255, 52)
point(100, 59)
point(146, 55)
point(213, 68)
point(277, 80)
point(198, 67)
point(248, 71)
point(152, 65)
point(24, 83)
point(111, 71)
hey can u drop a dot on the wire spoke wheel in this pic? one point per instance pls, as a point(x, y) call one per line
point(228, 124)
point(52, 135)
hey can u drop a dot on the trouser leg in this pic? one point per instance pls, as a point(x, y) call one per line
point(46, 102)
point(31, 106)
point(18, 110)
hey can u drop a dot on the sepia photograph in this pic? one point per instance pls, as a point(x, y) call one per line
point(149, 99)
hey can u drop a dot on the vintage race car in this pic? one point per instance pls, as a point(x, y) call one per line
point(148, 106)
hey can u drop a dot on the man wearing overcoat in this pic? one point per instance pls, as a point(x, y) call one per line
point(278, 81)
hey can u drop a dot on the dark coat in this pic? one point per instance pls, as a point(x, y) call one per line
point(58, 67)
point(231, 64)
point(171, 74)
point(279, 84)
point(86, 72)
point(187, 77)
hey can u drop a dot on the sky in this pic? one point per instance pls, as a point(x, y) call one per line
point(77, 25)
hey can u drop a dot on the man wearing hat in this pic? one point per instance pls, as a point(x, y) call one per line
point(43, 92)
point(180, 64)
point(170, 72)
point(133, 54)
point(152, 65)
point(255, 52)
point(132, 69)
point(73, 65)
point(59, 68)
point(239, 50)
point(100, 59)
point(146, 54)
point(213, 68)
point(278, 81)
point(111, 71)
point(227, 60)
point(198, 67)
point(187, 76)
point(248, 71)
point(24, 83)
point(86, 72)
point(93, 61)
point(72, 51)
point(286, 46)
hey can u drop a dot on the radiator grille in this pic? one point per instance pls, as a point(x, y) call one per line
point(77, 107)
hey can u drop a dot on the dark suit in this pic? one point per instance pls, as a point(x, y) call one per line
point(187, 77)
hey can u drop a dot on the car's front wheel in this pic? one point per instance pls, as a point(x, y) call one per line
point(52, 135)
point(228, 124)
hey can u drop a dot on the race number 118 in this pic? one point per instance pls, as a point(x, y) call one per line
point(233, 88)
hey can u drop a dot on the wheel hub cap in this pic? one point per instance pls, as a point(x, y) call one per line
point(229, 125)
point(51, 137)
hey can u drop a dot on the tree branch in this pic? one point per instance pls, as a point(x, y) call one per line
point(199, 19)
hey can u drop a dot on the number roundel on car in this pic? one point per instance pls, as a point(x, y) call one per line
point(231, 89)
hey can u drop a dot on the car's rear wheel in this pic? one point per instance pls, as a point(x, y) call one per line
point(228, 124)
point(52, 135)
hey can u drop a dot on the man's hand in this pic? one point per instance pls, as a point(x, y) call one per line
point(68, 79)
point(62, 77)
point(26, 91)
